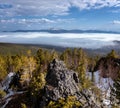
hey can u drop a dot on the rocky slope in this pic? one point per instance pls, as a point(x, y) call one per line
point(61, 83)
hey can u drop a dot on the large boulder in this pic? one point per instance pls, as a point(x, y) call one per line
point(61, 83)
point(11, 79)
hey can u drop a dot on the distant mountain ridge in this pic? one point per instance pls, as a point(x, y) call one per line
point(67, 31)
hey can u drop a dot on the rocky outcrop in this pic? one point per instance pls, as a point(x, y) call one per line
point(11, 79)
point(12, 99)
point(61, 83)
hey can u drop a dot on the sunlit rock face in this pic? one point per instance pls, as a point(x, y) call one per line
point(6, 82)
point(13, 97)
point(61, 83)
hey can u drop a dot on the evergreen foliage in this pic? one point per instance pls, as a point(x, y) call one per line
point(2, 94)
point(35, 68)
point(3, 68)
point(112, 54)
point(37, 83)
point(70, 102)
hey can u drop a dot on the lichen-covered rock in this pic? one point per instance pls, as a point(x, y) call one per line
point(61, 83)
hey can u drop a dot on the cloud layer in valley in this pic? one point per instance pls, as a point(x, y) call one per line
point(91, 40)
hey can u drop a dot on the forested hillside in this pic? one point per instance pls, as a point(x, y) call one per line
point(41, 71)
point(15, 48)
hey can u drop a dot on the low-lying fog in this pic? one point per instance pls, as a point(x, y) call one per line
point(85, 40)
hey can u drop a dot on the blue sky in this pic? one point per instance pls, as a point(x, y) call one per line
point(59, 14)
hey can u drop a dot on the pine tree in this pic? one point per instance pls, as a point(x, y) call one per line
point(112, 54)
point(9, 63)
point(16, 63)
point(82, 68)
point(40, 57)
point(37, 83)
point(3, 66)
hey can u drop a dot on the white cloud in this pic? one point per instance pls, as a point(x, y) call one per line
point(92, 36)
point(3, 36)
point(95, 4)
point(116, 22)
point(51, 7)
point(40, 11)
point(24, 21)
point(115, 11)
point(35, 21)
point(35, 7)
point(86, 40)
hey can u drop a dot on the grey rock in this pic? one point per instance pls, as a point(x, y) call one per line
point(62, 82)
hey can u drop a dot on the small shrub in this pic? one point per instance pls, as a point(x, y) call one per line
point(2, 94)
point(23, 105)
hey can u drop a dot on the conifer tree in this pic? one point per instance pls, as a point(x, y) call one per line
point(3, 67)
point(37, 83)
point(112, 54)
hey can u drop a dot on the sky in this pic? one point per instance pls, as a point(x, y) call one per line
point(59, 14)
